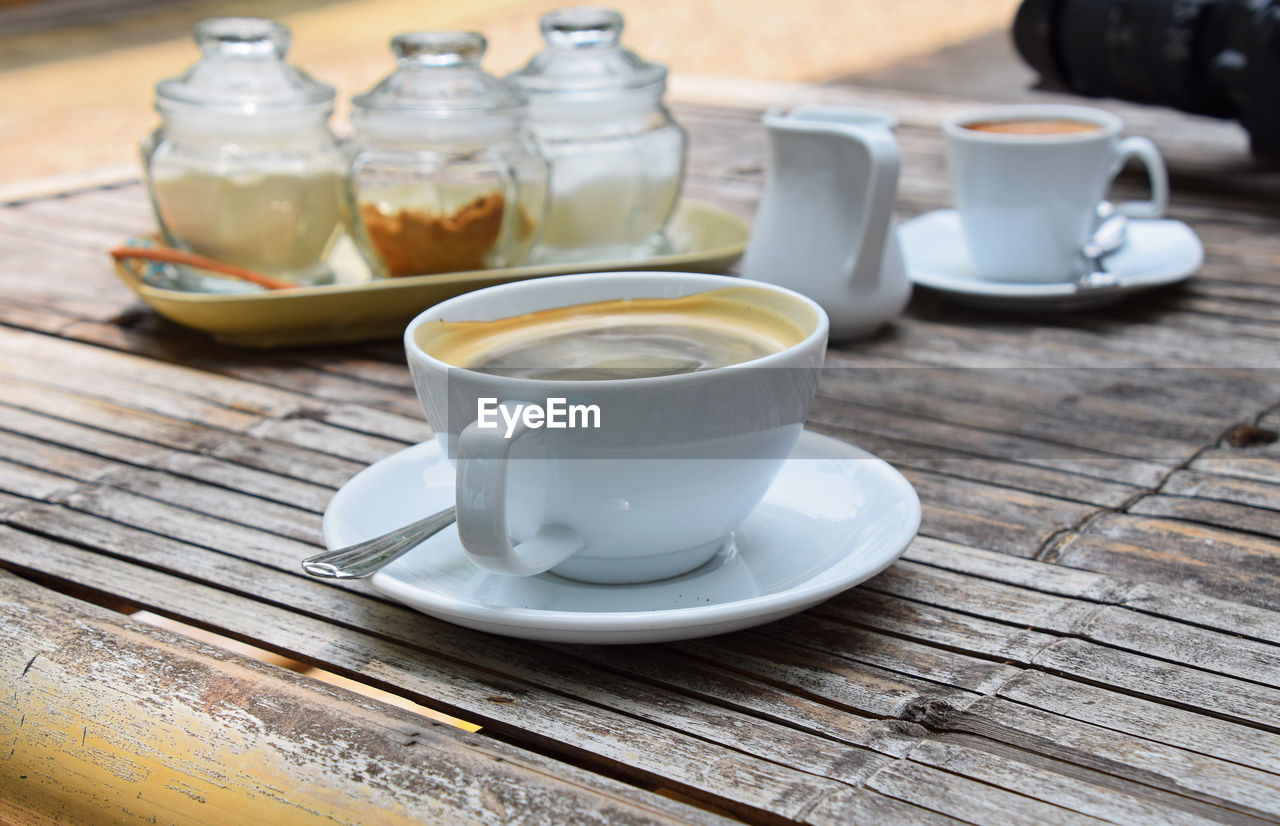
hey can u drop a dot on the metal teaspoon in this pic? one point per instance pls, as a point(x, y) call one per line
point(366, 558)
point(1110, 236)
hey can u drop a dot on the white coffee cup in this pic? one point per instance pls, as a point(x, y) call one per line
point(1028, 203)
point(657, 491)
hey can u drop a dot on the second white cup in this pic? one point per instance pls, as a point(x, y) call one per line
point(1028, 202)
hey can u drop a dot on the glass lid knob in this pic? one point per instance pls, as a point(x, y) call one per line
point(241, 37)
point(439, 48)
point(582, 27)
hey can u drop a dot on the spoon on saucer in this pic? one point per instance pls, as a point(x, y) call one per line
point(1110, 236)
point(366, 558)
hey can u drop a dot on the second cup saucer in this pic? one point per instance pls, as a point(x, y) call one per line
point(1157, 253)
point(835, 516)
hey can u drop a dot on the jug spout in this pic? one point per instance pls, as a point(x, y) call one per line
point(824, 226)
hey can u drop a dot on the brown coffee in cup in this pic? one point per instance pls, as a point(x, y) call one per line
point(634, 338)
point(1033, 126)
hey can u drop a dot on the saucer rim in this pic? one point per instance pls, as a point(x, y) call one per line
point(536, 623)
point(1032, 291)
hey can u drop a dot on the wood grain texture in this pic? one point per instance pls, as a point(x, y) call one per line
point(1087, 629)
point(110, 721)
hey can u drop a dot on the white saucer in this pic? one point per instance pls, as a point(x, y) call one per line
point(835, 516)
point(1156, 253)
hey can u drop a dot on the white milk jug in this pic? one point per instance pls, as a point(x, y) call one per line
point(825, 225)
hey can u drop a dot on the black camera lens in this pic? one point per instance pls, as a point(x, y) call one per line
point(1209, 57)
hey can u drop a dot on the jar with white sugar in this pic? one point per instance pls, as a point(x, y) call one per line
point(243, 167)
point(617, 156)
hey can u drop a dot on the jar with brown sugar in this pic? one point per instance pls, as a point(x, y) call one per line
point(444, 177)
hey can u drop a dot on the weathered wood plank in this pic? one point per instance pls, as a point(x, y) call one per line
point(1013, 521)
point(1229, 515)
point(931, 591)
point(665, 666)
point(980, 802)
point(134, 393)
point(985, 597)
point(300, 594)
point(946, 461)
point(990, 400)
point(325, 438)
point(287, 460)
point(1218, 563)
point(196, 495)
point(1218, 487)
point(994, 443)
point(543, 663)
point(844, 807)
point(844, 682)
point(33, 483)
point(55, 230)
point(1003, 344)
point(1228, 785)
point(255, 543)
point(891, 653)
point(1220, 653)
point(548, 721)
point(1095, 705)
point(1031, 575)
point(939, 794)
point(1223, 615)
point(302, 371)
point(111, 720)
point(186, 392)
point(949, 630)
point(1237, 743)
point(1087, 792)
point(982, 598)
point(1229, 461)
point(1151, 598)
point(33, 357)
point(1242, 702)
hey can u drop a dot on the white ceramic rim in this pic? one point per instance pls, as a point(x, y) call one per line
point(854, 116)
point(1109, 124)
point(435, 313)
point(839, 577)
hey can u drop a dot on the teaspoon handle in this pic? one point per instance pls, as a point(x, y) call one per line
point(365, 558)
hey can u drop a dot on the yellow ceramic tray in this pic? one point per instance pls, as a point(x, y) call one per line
point(706, 239)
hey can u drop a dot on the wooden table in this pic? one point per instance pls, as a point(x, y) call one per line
point(1086, 630)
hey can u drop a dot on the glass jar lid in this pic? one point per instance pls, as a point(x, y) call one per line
point(583, 57)
point(242, 72)
point(439, 77)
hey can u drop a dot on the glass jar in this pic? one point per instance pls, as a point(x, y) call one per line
point(243, 167)
point(444, 176)
point(617, 155)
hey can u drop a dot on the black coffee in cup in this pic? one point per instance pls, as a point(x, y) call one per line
point(619, 339)
point(1033, 126)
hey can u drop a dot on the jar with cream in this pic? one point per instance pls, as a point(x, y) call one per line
point(617, 155)
point(244, 167)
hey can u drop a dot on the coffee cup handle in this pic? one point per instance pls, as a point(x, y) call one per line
point(1145, 151)
point(481, 494)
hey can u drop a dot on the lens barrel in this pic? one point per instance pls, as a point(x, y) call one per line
point(1147, 51)
point(1209, 57)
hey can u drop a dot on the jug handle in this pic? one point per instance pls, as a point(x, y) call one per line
point(882, 187)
